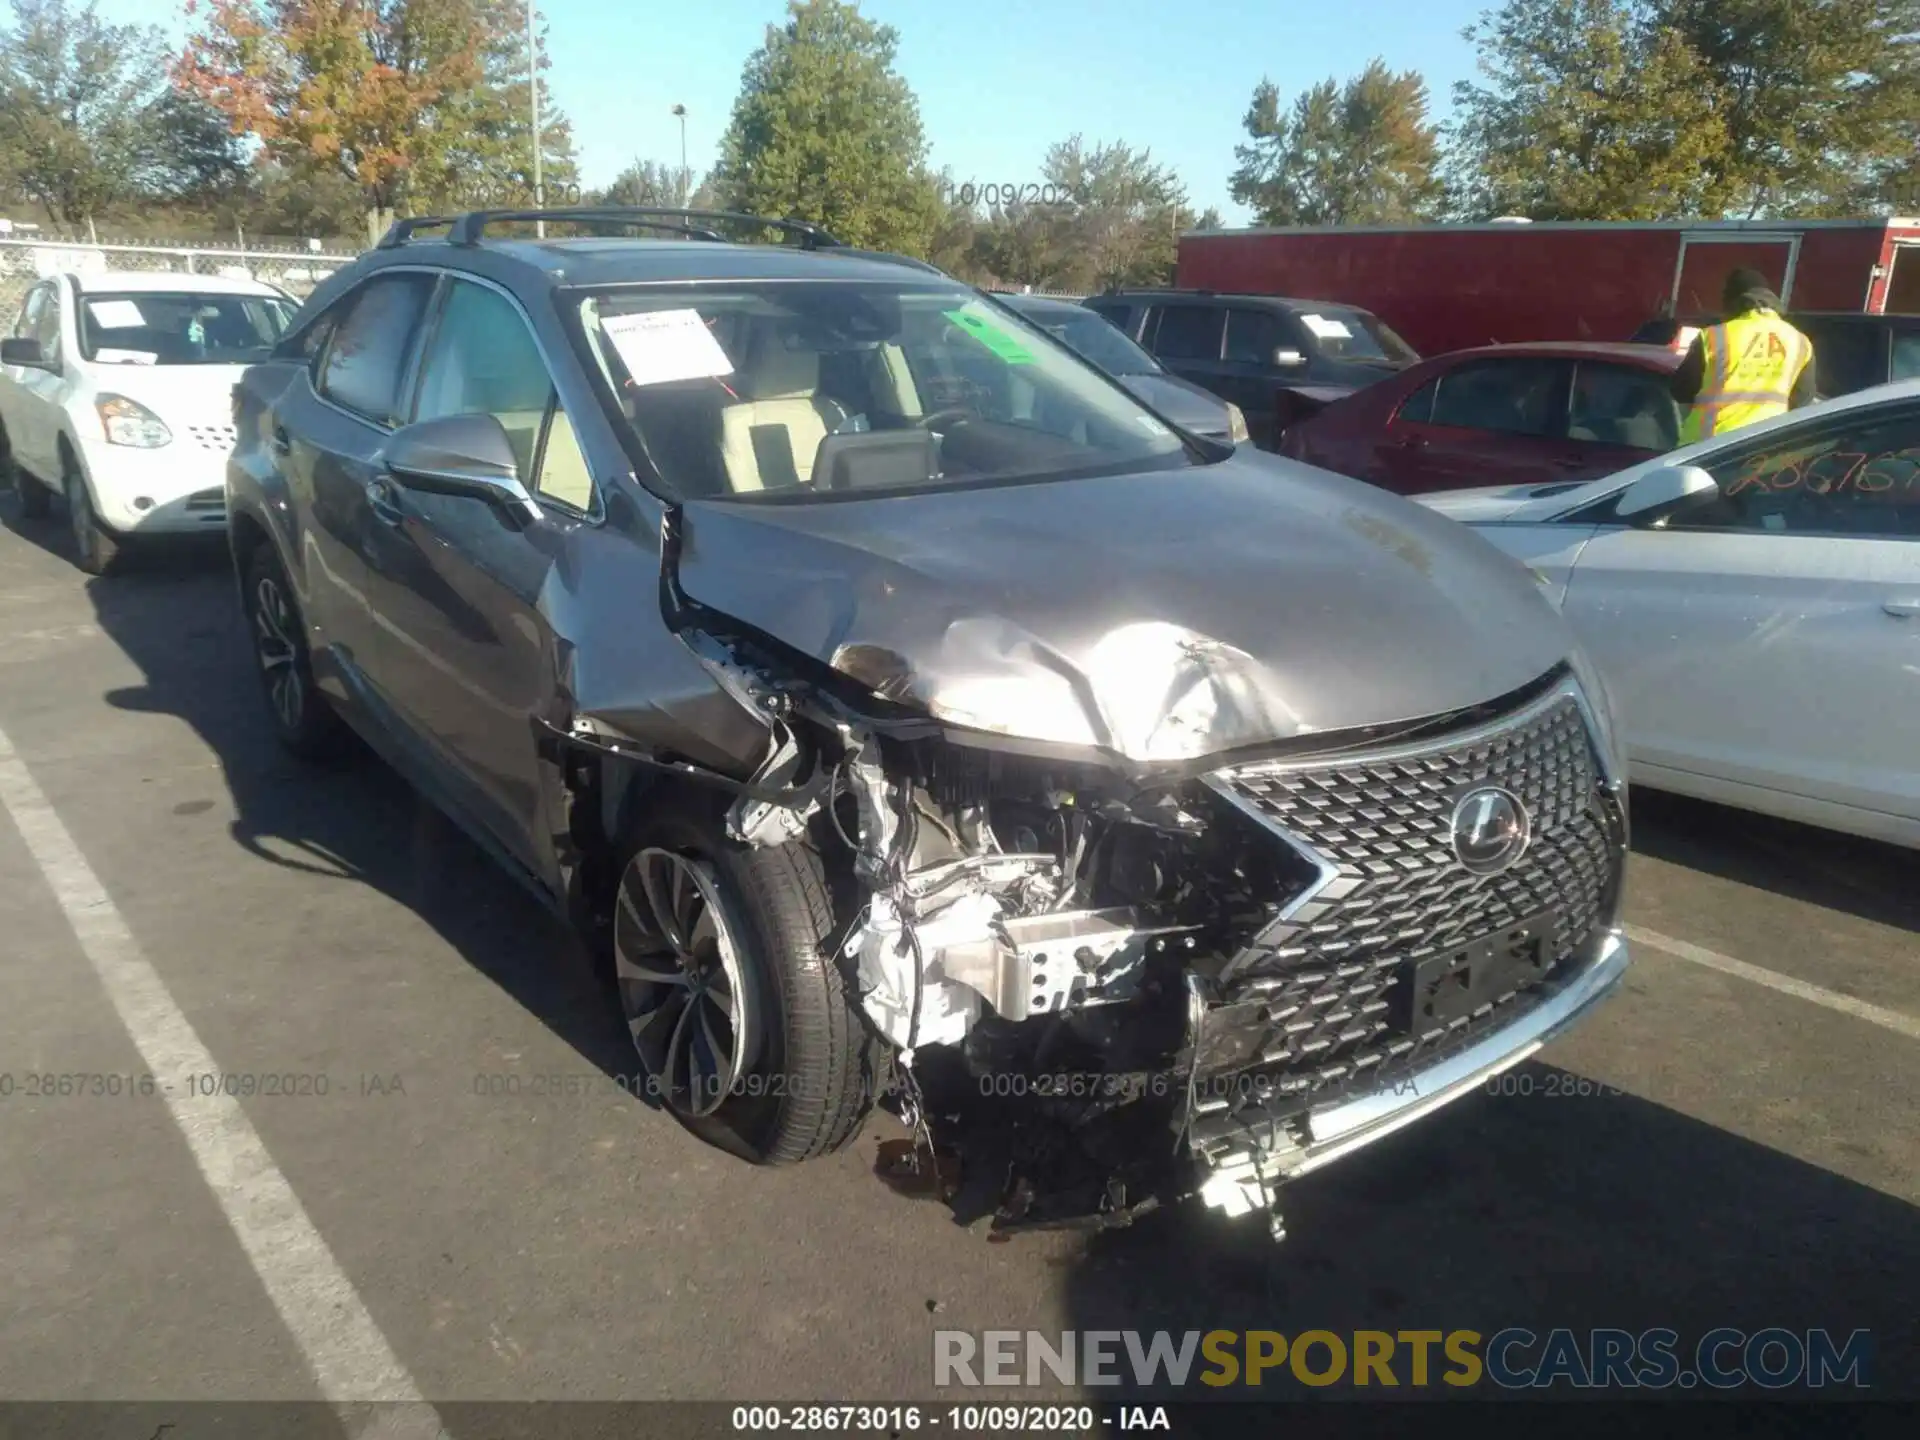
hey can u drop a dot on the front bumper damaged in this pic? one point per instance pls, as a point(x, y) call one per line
point(1249, 1154)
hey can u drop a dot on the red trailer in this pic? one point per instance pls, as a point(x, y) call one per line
point(1448, 287)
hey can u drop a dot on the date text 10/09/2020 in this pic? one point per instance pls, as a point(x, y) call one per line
point(957, 1419)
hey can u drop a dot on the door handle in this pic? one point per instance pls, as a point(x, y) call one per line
point(1902, 607)
point(1412, 442)
point(384, 504)
point(282, 445)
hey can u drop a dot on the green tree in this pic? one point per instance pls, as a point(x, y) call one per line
point(86, 121)
point(417, 102)
point(1820, 98)
point(1362, 153)
point(1123, 213)
point(1587, 111)
point(650, 183)
point(825, 130)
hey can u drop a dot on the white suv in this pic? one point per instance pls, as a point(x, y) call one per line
point(116, 390)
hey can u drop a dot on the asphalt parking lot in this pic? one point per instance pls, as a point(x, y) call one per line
point(171, 885)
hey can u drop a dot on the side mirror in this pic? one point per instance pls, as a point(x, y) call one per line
point(21, 351)
point(468, 456)
point(1287, 358)
point(1661, 486)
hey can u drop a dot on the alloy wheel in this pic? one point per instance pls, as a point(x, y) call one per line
point(683, 986)
point(275, 629)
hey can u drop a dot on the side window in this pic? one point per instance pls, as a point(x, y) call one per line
point(1622, 405)
point(1417, 408)
point(1847, 355)
point(1858, 475)
point(1252, 337)
point(1513, 397)
point(1117, 313)
point(46, 321)
point(1906, 355)
point(482, 360)
point(29, 319)
point(1189, 332)
point(367, 355)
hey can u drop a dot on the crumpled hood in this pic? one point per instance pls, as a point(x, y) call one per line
point(1161, 617)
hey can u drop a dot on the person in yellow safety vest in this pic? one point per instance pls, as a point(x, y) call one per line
point(1751, 366)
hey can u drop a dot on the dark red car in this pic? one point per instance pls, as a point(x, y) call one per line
point(1504, 415)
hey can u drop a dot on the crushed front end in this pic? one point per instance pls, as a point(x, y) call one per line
point(1106, 989)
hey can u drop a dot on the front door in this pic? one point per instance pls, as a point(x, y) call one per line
point(465, 652)
point(33, 417)
point(1772, 638)
point(1486, 422)
point(328, 433)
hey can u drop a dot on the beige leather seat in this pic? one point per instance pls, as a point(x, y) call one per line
point(768, 439)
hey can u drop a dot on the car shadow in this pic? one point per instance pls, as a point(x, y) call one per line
point(1538, 1207)
point(1864, 878)
point(176, 616)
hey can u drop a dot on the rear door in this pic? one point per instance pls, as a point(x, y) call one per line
point(1187, 336)
point(1772, 639)
point(1482, 422)
point(1618, 415)
point(463, 646)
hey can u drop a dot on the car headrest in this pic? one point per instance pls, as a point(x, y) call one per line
point(779, 373)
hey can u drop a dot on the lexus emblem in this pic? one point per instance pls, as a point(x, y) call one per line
point(1490, 829)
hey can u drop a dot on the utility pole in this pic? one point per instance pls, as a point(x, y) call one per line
point(680, 113)
point(533, 98)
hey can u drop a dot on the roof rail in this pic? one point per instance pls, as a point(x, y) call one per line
point(401, 231)
point(469, 228)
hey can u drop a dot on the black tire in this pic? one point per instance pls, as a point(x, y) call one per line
point(303, 721)
point(36, 501)
point(812, 1082)
point(96, 549)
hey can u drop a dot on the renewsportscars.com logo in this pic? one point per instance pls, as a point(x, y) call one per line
point(1513, 1359)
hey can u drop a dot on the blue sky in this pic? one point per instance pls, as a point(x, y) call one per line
point(998, 80)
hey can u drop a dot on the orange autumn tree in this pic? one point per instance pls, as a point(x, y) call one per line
point(411, 100)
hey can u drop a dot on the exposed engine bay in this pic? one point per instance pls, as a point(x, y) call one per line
point(1101, 987)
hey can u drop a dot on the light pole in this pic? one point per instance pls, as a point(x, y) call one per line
point(680, 114)
point(533, 100)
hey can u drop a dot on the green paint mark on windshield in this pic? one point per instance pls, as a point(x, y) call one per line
point(992, 336)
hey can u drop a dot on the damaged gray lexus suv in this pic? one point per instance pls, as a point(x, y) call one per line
point(907, 716)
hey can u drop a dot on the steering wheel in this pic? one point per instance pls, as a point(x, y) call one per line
point(951, 413)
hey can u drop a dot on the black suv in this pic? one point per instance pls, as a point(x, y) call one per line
point(898, 706)
point(1851, 351)
point(1279, 360)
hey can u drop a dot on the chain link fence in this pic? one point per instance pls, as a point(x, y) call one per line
point(22, 262)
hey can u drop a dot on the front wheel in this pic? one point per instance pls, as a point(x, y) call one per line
point(738, 1010)
point(95, 547)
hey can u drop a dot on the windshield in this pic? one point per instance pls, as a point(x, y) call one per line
point(1099, 341)
point(155, 327)
point(796, 388)
point(1356, 336)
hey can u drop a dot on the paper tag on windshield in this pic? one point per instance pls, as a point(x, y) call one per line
point(1326, 329)
point(125, 357)
point(116, 314)
point(661, 345)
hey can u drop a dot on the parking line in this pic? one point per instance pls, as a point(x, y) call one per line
point(350, 1358)
point(1832, 999)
